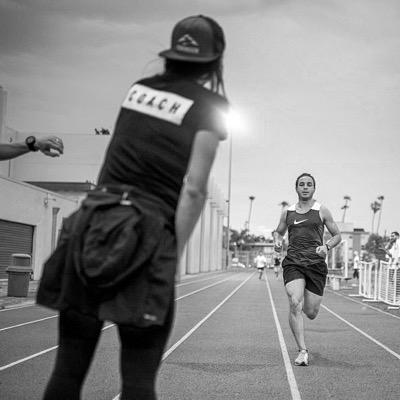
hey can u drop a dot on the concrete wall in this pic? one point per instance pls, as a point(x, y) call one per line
point(4, 166)
point(27, 204)
point(34, 206)
point(204, 250)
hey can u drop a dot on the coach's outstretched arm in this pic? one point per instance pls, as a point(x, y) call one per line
point(9, 151)
point(194, 191)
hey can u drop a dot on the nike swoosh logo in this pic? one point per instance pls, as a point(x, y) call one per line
point(299, 222)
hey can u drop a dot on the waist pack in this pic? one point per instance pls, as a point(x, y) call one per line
point(113, 236)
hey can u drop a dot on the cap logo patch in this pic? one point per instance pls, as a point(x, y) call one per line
point(187, 44)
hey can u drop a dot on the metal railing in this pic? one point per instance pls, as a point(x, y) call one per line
point(338, 260)
point(369, 281)
point(380, 281)
point(389, 284)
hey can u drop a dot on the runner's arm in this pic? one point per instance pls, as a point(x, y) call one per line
point(280, 232)
point(194, 190)
point(333, 229)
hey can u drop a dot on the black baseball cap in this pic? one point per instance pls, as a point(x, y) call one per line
point(196, 39)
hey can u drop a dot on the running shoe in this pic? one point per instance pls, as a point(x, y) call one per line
point(302, 358)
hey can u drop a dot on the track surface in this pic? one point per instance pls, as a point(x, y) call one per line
point(231, 340)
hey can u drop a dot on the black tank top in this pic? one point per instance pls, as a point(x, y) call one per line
point(154, 134)
point(305, 235)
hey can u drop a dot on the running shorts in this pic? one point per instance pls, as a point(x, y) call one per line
point(313, 274)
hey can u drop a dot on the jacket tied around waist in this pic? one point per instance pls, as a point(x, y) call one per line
point(115, 259)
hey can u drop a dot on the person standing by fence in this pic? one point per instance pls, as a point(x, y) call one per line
point(277, 265)
point(393, 249)
point(356, 265)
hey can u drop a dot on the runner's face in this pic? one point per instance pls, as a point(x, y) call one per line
point(305, 188)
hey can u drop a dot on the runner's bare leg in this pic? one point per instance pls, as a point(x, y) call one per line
point(295, 291)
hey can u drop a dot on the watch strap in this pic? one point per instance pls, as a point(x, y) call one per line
point(30, 142)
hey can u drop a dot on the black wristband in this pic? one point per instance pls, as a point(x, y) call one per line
point(30, 141)
point(327, 246)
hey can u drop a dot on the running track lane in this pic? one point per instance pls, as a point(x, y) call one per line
point(346, 362)
point(34, 373)
point(330, 382)
point(235, 354)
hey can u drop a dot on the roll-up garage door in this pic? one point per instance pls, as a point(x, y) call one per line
point(14, 238)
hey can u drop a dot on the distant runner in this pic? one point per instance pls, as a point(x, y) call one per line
point(261, 262)
point(304, 267)
point(277, 264)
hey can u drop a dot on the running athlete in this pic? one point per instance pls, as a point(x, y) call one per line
point(261, 262)
point(304, 267)
point(117, 255)
point(277, 264)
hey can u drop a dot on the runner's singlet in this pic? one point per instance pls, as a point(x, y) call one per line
point(305, 235)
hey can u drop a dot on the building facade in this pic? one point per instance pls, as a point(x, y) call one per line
point(37, 192)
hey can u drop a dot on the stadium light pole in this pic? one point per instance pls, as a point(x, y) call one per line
point(251, 198)
point(228, 220)
point(234, 123)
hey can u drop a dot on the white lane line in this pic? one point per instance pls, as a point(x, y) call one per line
point(27, 323)
point(197, 326)
point(363, 304)
point(288, 365)
point(189, 333)
point(30, 304)
point(4, 367)
point(197, 280)
point(109, 326)
point(204, 288)
point(363, 333)
point(27, 358)
point(55, 316)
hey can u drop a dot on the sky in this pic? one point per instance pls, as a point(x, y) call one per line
point(316, 83)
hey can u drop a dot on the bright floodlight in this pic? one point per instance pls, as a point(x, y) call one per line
point(234, 121)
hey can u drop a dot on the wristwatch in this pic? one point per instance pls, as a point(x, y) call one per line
point(30, 142)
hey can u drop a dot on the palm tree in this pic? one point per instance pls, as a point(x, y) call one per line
point(380, 198)
point(345, 206)
point(375, 206)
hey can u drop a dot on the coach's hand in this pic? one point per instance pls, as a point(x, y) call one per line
point(51, 146)
point(322, 251)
